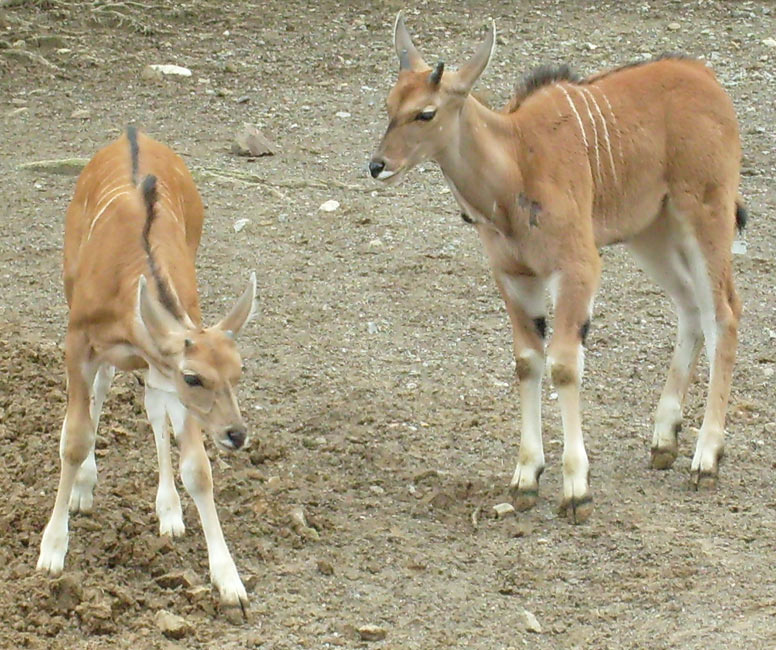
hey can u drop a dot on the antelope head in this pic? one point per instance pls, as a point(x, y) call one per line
point(424, 106)
point(203, 363)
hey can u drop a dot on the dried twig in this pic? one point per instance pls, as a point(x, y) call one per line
point(33, 57)
point(66, 166)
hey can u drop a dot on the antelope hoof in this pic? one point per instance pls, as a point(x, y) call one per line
point(524, 499)
point(703, 480)
point(230, 587)
point(663, 458)
point(81, 500)
point(52, 553)
point(172, 526)
point(524, 488)
point(576, 509)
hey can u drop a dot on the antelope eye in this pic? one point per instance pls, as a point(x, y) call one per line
point(425, 116)
point(191, 379)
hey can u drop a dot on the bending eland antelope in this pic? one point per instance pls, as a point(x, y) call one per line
point(131, 235)
point(647, 155)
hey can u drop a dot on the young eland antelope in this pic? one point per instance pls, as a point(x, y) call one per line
point(647, 155)
point(131, 235)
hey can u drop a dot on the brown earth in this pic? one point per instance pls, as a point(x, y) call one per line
point(379, 370)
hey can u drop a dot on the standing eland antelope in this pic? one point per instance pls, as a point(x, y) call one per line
point(647, 155)
point(131, 235)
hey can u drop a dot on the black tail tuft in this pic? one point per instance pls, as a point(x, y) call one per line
point(741, 216)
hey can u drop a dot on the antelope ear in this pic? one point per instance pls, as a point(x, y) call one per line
point(472, 69)
point(409, 57)
point(242, 311)
point(159, 323)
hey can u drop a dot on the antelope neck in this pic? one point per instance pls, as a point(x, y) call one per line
point(480, 163)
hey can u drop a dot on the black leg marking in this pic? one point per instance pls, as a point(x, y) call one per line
point(541, 326)
point(584, 330)
point(466, 218)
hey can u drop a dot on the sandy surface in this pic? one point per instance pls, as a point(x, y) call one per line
point(379, 385)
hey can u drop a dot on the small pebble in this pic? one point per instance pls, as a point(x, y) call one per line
point(372, 633)
point(329, 206)
point(531, 622)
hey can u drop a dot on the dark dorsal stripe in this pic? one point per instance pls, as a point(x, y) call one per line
point(545, 75)
point(537, 78)
point(166, 297)
point(133, 151)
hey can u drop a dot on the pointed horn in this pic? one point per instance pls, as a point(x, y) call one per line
point(409, 57)
point(471, 71)
point(436, 75)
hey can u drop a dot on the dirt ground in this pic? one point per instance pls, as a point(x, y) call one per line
point(379, 385)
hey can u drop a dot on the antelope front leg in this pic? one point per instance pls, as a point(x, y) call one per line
point(168, 503)
point(82, 495)
point(76, 443)
point(524, 298)
point(198, 481)
point(566, 363)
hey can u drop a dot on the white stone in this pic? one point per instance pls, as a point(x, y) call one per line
point(503, 509)
point(531, 622)
point(769, 42)
point(240, 224)
point(329, 206)
point(168, 68)
point(343, 114)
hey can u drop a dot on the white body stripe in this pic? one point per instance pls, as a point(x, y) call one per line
point(616, 128)
point(579, 119)
point(589, 93)
point(121, 192)
point(595, 134)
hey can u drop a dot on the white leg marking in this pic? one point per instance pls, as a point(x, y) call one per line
point(82, 496)
point(198, 481)
point(526, 291)
point(704, 296)
point(529, 294)
point(531, 455)
point(53, 545)
point(168, 503)
point(595, 135)
point(659, 252)
point(575, 461)
point(589, 93)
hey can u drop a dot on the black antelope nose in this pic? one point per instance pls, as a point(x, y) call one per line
point(376, 167)
point(236, 436)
